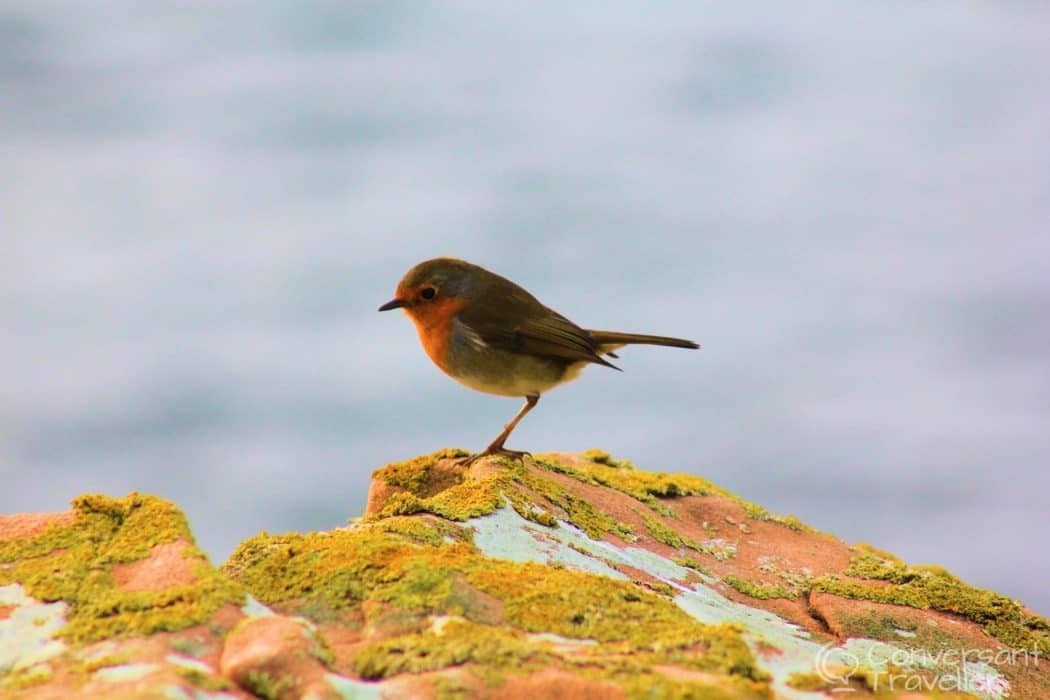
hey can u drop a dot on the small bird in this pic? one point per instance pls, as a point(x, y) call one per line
point(491, 335)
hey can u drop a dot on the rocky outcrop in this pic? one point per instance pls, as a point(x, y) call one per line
point(575, 576)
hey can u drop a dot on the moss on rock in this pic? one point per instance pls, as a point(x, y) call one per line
point(442, 579)
point(762, 591)
point(925, 587)
point(74, 562)
point(413, 475)
point(601, 469)
point(450, 642)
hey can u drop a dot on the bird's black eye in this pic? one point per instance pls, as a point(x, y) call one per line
point(428, 293)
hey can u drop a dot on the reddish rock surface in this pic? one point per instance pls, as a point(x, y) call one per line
point(23, 525)
point(507, 580)
point(166, 566)
point(273, 655)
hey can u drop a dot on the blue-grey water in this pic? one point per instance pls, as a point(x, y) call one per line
point(847, 204)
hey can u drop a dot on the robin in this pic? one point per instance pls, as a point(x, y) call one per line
point(488, 333)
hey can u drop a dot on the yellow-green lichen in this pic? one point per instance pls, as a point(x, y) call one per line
point(603, 457)
point(581, 605)
point(414, 474)
point(188, 646)
point(74, 562)
point(265, 685)
point(23, 678)
point(641, 485)
point(524, 507)
point(385, 571)
point(661, 532)
point(454, 642)
point(644, 683)
point(717, 548)
point(577, 511)
point(885, 628)
point(690, 563)
point(808, 682)
point(339, 567)
point(670, 536)
point(454, 688)
point(762, 591)
point(934, 588)
point(602, 470)
point(105, 661)
point(757, 512)
point(204, 681)
point(475, 497)
point(660, 588)
point(424, 529)
point(469, 499)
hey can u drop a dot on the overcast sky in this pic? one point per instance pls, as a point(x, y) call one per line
point(847, 205)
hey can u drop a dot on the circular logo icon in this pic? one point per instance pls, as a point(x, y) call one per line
point(835, 666)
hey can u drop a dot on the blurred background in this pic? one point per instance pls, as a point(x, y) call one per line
point(202, 205)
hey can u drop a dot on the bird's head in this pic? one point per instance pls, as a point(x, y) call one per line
point(436, 288)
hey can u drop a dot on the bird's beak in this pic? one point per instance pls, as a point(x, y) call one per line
point(392, 304)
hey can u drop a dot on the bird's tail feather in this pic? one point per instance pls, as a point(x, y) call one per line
point(615, 340)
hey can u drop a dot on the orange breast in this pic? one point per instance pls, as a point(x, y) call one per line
point(433, 322)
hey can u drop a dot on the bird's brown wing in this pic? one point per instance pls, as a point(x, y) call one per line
point(534, 330)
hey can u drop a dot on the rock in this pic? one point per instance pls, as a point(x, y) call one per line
point(575, 576)
point(275, 657)
point(167, 565)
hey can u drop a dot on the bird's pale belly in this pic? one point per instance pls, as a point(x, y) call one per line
point(504, 373)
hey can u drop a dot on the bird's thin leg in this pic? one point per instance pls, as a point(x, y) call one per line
point(496, 447)
point(497, 444)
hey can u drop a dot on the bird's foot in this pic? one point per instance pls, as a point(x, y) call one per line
point(495, 451)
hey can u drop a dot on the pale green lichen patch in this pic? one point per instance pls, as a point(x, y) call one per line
point(74, 562)
point(793, 650)
point(933, 588)
point(188, 663)
point(351, 689)
point(506, 535)
point(125, 673)
point(253, 608)
point(26, 632)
